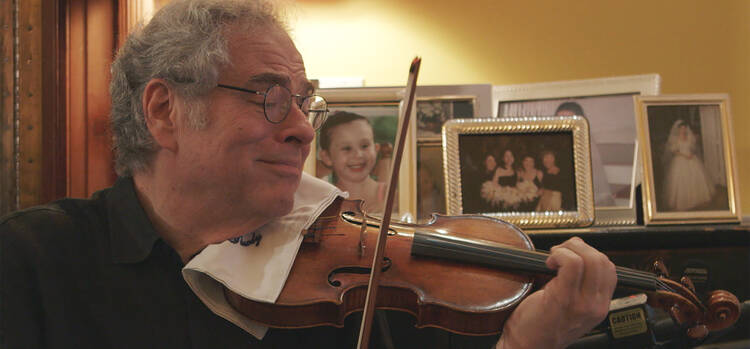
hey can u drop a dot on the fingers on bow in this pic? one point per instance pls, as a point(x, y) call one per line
point(586, 278)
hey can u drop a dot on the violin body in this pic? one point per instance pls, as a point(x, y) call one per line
point(329, 278)
point(330, 275)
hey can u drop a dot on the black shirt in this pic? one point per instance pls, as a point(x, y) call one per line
point(94, 274)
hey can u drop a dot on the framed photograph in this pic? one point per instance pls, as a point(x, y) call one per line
point(689, 173)
point(533, 172)
point(430, 180)
point(353, 149)
point(607, 104)
point(433, 112)
point(437, 104)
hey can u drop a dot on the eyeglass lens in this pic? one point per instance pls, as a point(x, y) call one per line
point(316, 109)
point(278, 102)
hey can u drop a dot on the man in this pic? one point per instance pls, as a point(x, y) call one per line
point(208, 147)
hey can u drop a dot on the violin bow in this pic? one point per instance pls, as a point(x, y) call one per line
point(377, 259)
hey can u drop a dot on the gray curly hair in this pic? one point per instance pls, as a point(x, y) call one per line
point(184, 44)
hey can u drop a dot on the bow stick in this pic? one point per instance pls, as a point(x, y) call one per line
point(377, 259)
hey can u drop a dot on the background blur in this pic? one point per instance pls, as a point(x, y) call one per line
point(54, 119)
point(697, 46)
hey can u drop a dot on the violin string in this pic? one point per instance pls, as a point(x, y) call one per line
point(536, 260)
point(664, 286)
point(529, 258)
point(637, 274)
point(624, 274)
point(647, 280)
point(490, 252)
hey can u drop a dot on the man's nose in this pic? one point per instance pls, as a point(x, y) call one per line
point(296, 127)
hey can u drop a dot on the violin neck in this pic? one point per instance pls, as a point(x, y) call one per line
point(505, 257)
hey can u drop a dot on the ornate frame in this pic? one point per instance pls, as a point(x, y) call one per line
point(577, 126)
point(651, 214)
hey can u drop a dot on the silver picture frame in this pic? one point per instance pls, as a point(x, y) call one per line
point(473, 183)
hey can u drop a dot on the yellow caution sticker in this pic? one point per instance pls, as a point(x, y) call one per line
point(627, 323)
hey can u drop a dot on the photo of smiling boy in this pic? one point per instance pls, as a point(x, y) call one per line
point(348, 149)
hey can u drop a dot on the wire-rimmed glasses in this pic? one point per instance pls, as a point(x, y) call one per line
point(277, 100)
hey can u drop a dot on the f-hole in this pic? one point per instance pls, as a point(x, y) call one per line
point(354, 270)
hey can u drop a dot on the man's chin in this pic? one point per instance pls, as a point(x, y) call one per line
point(280, 202)
point(279, 208)
point(272, 197)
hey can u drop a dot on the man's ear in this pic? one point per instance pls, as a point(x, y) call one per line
point(326, 158)
point(159, 111)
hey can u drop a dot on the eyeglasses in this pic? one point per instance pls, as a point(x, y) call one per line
point(277, 100)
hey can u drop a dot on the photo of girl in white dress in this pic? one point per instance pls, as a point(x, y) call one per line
point(501, 190)
point(687, 184)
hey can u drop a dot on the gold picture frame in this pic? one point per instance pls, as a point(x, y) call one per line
point(687, 143)
point(476, 183)
point(373, 102)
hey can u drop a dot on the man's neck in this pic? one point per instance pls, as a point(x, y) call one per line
point(186, 222)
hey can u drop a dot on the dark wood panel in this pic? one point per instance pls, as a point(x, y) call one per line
point(123, 20)
point(53, 105)
point(92, 28)
point(101, 36)
point(76, 57)
point(30, 102)
point(8, 192)
point(64, 49)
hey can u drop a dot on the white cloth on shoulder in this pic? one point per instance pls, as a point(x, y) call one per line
point(258, 271)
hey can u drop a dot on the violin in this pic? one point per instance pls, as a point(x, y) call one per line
point(464, 274)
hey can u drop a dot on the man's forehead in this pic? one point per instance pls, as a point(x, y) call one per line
point(266, 56)
point(271, 78)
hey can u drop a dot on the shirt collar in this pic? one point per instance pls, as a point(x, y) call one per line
point(132, 236)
